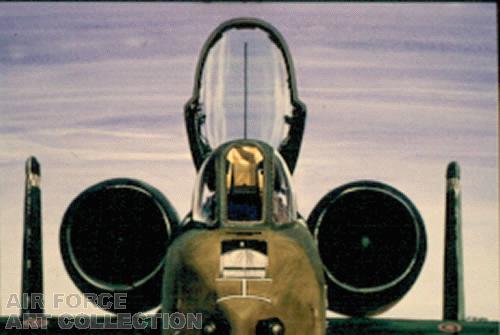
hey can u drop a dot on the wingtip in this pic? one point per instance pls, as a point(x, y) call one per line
point(32, 166)
point(453, 170)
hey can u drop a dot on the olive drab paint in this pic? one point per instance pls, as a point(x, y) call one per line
point(243, 273)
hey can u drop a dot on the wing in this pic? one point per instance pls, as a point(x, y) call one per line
point(397, 326)
point(337, 326)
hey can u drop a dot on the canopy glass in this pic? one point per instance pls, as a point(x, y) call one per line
point(244, 90)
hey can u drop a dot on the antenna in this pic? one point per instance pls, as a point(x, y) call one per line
point(245, 88)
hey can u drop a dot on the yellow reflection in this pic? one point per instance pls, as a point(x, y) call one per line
point(244, 167)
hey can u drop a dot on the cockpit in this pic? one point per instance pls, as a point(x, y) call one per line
point(244, 183)
point(244, 104)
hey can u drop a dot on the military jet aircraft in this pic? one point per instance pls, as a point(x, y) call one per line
point(244, 258)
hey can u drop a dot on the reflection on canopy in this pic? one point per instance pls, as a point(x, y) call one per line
point(243, 167)
point(244, 90)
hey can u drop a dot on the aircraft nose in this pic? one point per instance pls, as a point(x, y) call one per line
point(252, 317)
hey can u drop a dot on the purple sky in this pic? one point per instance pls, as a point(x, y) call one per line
point(394, 92)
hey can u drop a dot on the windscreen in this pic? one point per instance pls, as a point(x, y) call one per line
point(244, 90)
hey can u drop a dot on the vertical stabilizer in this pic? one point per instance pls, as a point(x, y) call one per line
point(32, 285)
point(453, 306)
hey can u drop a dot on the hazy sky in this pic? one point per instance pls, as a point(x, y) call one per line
point(394, 92)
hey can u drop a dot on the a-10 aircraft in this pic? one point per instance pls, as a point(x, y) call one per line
point(243, 258)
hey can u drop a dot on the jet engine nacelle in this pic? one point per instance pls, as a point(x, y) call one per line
point(106, 233)
point(372, 242)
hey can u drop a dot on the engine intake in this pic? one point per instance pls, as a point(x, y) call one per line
point(372, 242)
point(104, 237)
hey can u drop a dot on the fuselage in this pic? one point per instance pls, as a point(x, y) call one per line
point(245, 259)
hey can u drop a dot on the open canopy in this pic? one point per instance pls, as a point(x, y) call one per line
point(245, 89)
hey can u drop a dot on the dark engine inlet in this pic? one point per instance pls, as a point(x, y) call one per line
point(372, 242)
point(106, 232)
